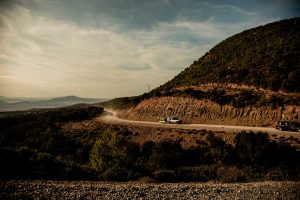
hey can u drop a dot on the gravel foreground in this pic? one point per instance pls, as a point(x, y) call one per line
point(37, 189)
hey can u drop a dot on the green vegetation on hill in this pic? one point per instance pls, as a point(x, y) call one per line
point(32, 145)
point(124, 102)
point(239, 99)
point(267, 56)
point(35, 147)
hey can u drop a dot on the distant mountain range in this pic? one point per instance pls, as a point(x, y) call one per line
point(14, 104)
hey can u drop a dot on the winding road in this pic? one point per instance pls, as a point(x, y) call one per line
point(113, 118)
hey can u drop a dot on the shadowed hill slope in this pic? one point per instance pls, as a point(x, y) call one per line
point(267, 56)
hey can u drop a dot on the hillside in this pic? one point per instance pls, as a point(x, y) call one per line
point(251, 78)
point(70, 144)
point(267, 57)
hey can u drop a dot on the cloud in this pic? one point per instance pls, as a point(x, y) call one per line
point(236, 9)
point(58, 55)
point(107, 48)
point(134, 68)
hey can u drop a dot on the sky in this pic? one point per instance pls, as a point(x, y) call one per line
point(115, 48)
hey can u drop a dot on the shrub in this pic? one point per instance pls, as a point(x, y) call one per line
point(252, 147)
point(198, 173)
point(198, 156)
point(113, 158)
point(232, 174)
point(220, 151)
point(107, 152)
point(117, 173)
point(165, 175)
point(47, 165)
point(166, 154)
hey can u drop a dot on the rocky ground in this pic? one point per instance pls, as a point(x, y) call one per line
point(203, 111)
point(40, 189)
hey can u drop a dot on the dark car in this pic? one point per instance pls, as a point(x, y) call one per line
point(287, 126)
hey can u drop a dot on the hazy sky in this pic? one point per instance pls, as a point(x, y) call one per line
point(112, 48)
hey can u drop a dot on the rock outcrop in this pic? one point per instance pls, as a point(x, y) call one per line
point(191, 110)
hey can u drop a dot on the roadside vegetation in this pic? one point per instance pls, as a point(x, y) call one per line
point(253, 157)
point(238, 99)
point(34, 147)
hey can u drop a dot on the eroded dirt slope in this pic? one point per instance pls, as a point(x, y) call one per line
point(192, 110)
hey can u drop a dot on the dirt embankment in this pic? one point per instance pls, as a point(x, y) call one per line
point(204, 111)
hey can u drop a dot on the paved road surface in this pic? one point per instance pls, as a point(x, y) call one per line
point(113, 118)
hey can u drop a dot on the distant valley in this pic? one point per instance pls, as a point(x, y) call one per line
point(16, 104)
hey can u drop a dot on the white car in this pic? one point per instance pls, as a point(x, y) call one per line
point(174, 120)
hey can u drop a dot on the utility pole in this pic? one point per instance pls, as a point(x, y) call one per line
point(148, 86)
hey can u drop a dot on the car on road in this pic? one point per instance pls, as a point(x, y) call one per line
point(163, 120)
point(170, 120)
point(287, 126)
point(174, 120)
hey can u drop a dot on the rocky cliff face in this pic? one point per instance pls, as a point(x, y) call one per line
point(191, 110)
